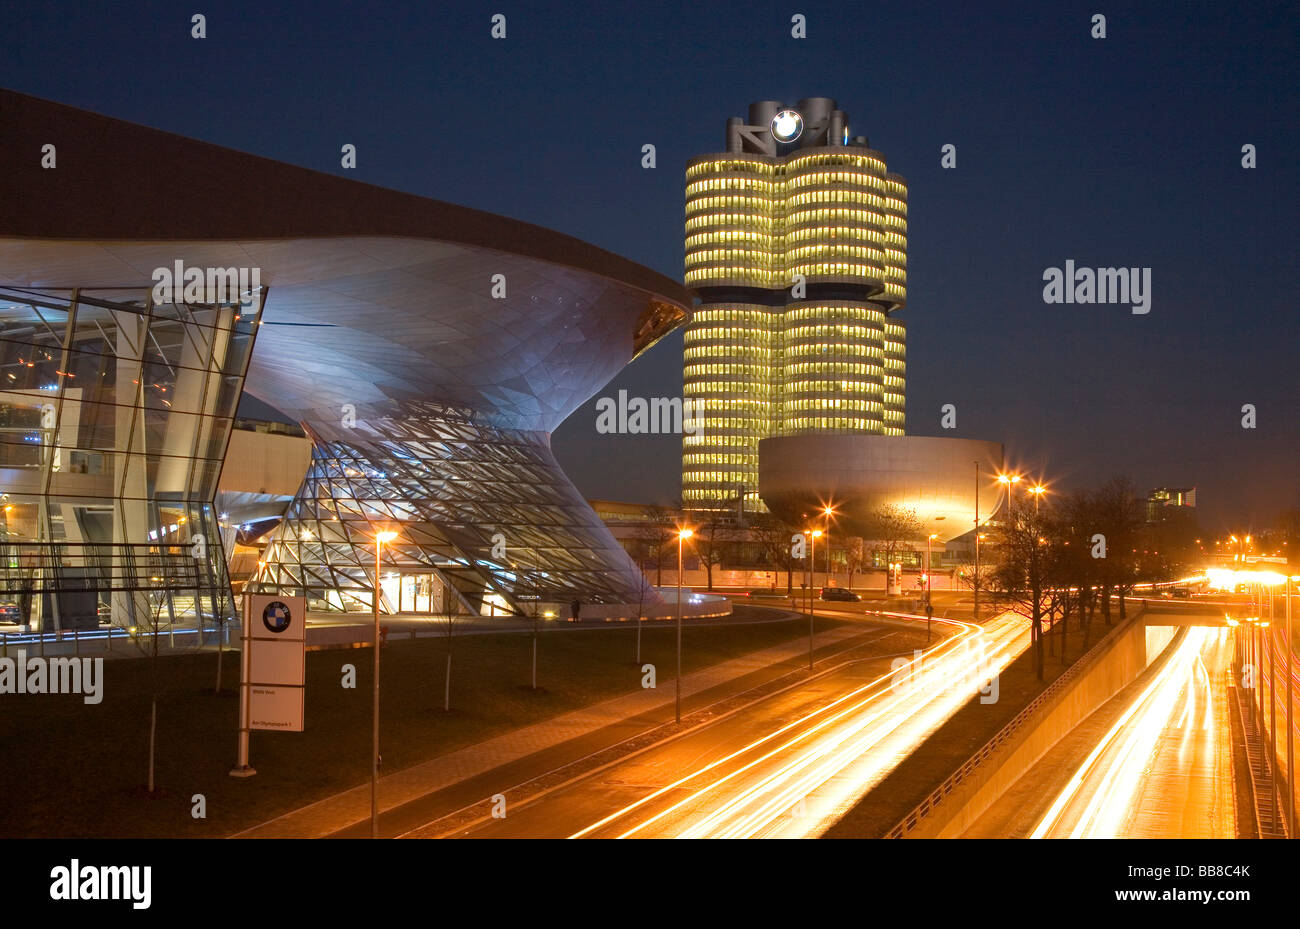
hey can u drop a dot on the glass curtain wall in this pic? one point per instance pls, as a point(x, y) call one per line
point(115, 413)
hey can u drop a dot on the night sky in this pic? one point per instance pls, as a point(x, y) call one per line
point(1124, 151)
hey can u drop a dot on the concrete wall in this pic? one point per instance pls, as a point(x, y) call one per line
point(1108, 668)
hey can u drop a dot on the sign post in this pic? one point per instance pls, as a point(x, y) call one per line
point(273, 669)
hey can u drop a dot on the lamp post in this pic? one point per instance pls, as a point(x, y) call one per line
point(929, 582)
point(1290, 750)
point(975, 580)
point(812, 576)
point(1009, 481)
point(1037, 490)
point(828, 511)
point(682, 536)
point(380, 539)
point(1271, 657)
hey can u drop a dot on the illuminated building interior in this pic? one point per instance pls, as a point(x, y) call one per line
point(796, 246)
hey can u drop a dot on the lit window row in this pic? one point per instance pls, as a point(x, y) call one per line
point(738, 182)
point(761, 222)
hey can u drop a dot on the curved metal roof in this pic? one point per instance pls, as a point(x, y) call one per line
point(375, 297)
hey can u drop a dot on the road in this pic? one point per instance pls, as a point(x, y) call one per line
point(787, 766)
point(1164, 768)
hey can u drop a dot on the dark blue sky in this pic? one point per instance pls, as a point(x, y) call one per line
point(1122, 151)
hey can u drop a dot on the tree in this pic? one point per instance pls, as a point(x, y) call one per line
point(893, 526)
point(1076, 516)
point(773, 536)
point(659, 532)
point(979, 581)
point(642, 589)
point(854, 556)
point(1020, 572)
point(1117, 515)
point(712, 533)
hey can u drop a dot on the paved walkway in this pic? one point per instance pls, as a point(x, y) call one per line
point(335, 813)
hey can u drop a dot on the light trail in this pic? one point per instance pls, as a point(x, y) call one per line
point(824, 761)
point(1164, 766)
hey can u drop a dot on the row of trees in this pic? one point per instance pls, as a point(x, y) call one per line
point(716, 533)
point(1068, 557)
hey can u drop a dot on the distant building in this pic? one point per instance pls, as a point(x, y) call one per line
point(1165, 503)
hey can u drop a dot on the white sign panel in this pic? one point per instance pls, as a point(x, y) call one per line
point(278, 708)
point(275, 631)
point(274, 617)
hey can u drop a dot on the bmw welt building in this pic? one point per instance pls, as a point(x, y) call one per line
point(427, 350)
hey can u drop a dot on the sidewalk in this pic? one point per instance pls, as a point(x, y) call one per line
point(335, 813)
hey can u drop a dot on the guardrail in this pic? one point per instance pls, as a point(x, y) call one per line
point(940, 793)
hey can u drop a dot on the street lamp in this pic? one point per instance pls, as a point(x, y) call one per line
point(682, 536)
point(1008, 481)
point(812, 577)
point(1290, 749)
point(929, 583)
point(975, 579)
point(828, 511)
point(1037, 490)
point(380, 538)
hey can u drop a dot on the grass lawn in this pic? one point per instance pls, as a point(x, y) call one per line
point(78, 770)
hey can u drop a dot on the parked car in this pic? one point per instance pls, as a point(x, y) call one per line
point(839, 593)
point(1182, 593)
point(9, 613)
point(764, 592)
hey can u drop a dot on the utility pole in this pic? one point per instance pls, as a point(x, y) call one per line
point(975, 581)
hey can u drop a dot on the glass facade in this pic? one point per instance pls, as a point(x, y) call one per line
point(115, 412)
point(763, 362)
point(484, 511)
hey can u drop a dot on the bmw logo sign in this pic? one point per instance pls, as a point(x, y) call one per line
point(276, 616)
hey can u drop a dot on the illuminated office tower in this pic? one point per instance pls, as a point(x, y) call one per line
point(796, 247)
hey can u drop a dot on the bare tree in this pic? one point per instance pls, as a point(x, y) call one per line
point(1117, 516)
point(643, 588)
point(659, 532)
point(1020, 570)
point(773, 536)
point(854, 556)
point(712, 534)
point(894, 526)
point(979, 581)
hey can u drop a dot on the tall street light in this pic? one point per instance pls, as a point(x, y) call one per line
point(929, 582)
point(1037, 490)
point(975, 581)
point(1290, 750)
point(812, 577)
point(828, 511)
point(380, 539)
point(682, 536)
point(1009, 481)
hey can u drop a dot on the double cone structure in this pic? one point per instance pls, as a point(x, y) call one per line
point(428, 350)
